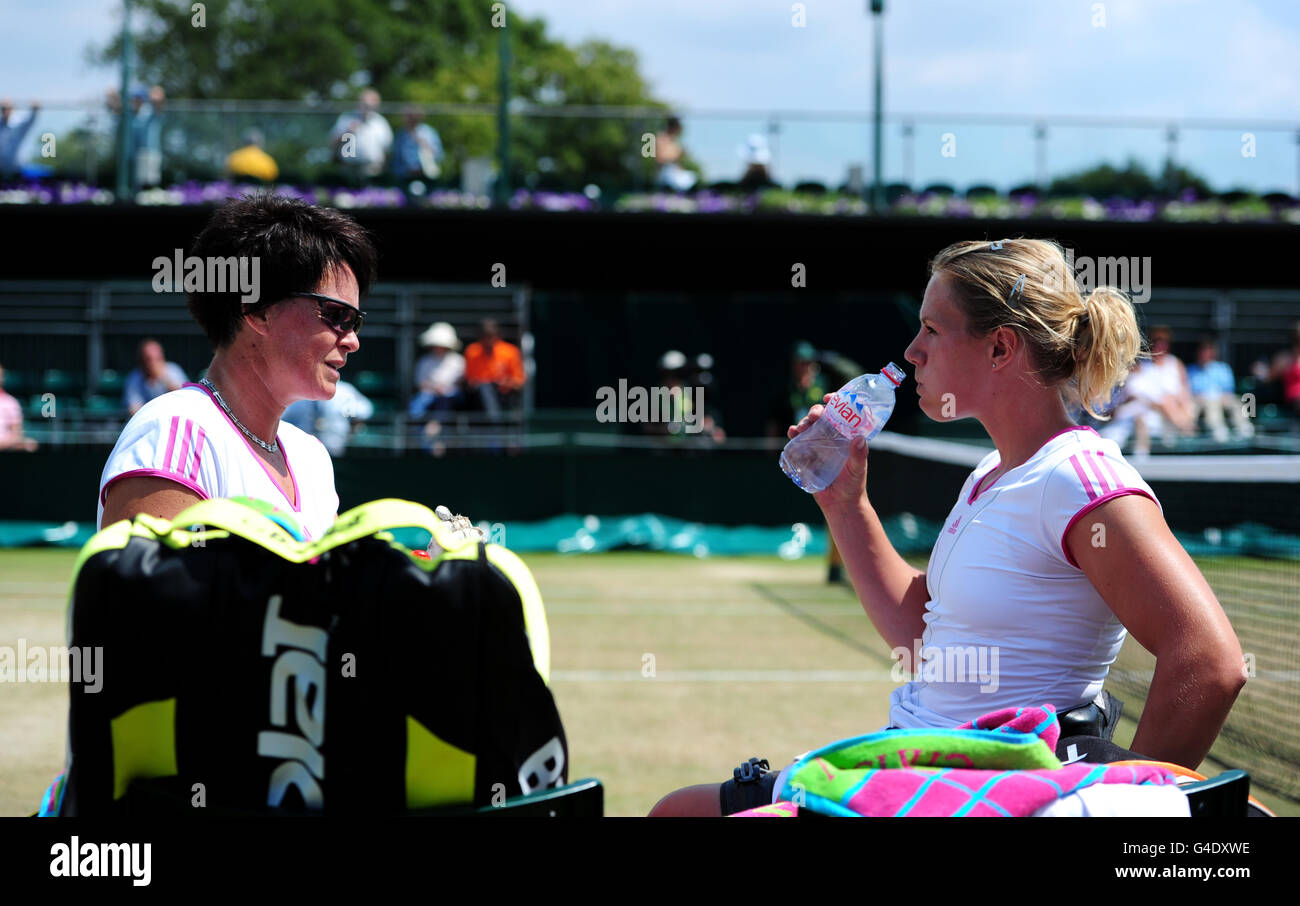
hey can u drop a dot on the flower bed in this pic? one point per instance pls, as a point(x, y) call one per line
point(768, 201)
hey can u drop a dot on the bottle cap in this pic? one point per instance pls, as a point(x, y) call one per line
point(894, 373)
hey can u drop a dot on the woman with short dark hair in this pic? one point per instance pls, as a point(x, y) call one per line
point(286, 340)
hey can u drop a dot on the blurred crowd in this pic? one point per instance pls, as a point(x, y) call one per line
point(1164, 399)
point(489, 378)
point(13, 131)
point(12, 436)
point(1163, 402)
point(365, 147)
point(484, 385)
point(362, 143)
point(486, 381)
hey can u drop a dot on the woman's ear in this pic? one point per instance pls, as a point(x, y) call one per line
point(258, 321)
point(1005, 344)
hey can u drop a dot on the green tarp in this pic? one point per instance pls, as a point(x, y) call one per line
point(647, 531)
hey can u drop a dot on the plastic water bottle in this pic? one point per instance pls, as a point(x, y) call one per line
point(861, 407)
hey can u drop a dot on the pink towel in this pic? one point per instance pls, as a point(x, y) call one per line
point(1007, 767)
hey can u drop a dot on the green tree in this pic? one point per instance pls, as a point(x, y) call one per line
point(1133, 181)
point(435, 51)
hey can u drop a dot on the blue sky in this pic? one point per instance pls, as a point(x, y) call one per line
point(1172, 60)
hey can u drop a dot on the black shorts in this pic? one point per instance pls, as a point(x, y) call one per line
point(737, 795)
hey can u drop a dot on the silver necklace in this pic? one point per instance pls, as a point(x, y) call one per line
point(270, 448)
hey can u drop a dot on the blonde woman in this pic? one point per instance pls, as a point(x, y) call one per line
point(1056, 548)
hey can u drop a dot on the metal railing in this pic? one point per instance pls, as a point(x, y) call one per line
point(50, 330)
point(829, 147)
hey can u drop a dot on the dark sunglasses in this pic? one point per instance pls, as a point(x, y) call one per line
point(339, 315)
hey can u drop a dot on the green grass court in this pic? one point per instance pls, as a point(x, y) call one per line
point(749, 656)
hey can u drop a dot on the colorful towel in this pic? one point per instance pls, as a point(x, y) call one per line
point(1002, 764)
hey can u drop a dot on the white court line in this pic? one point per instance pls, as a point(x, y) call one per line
point(658, 592)
point(1271, 676)
point(723, 676)
point(787, 676)
point(687, 610)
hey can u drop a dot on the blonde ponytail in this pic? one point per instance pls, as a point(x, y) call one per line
point(1106, 343)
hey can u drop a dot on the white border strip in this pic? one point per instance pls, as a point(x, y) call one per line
point(724, 676)
point(1176, 467)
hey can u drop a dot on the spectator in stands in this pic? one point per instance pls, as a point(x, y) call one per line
point(1214, 388)
point(1156, 400)
point(671, 365)
point(757, 158)
point(805, 389)
point(250, 161)
point(12, 133)
point(153, 377)
point(701, 375)
point(438, 376)
point(331, 421)
point(11, 422)
point(693, 422)
point(669, 154)
point(146, 135)
point(813, 374)
point(1285, 369)
point(1105, 412)
point(417, 150)
point(363, 138)
point(494, 371)
point(672, 423)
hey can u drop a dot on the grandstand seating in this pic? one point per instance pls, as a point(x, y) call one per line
point(92, 329)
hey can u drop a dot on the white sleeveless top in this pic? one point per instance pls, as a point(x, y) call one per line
point(185, 437)
point(1012, 621)
point(1155, 382)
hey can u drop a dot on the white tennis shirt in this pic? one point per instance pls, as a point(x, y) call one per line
point(1012, 621)
point(185, 437)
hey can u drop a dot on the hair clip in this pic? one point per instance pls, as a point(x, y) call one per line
point(1017, 290)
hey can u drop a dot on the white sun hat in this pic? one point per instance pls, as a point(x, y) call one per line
point(672, 360)
point(755, 150)
point(440, 334)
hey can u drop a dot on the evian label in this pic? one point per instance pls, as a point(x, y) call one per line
point(849, 415)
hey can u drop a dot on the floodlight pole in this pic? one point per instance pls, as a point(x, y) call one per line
point(124, 121)
point(501, 195)
point(877, 188)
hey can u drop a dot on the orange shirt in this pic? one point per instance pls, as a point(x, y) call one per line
point(504, 365)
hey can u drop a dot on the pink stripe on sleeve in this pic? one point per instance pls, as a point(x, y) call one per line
point(153, 473)
point(1096, 470)
point(1101, 454)
point(1088, 508)
point(198, 456)
point(1087, 485)
point(171, 444)
point(185, 448)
